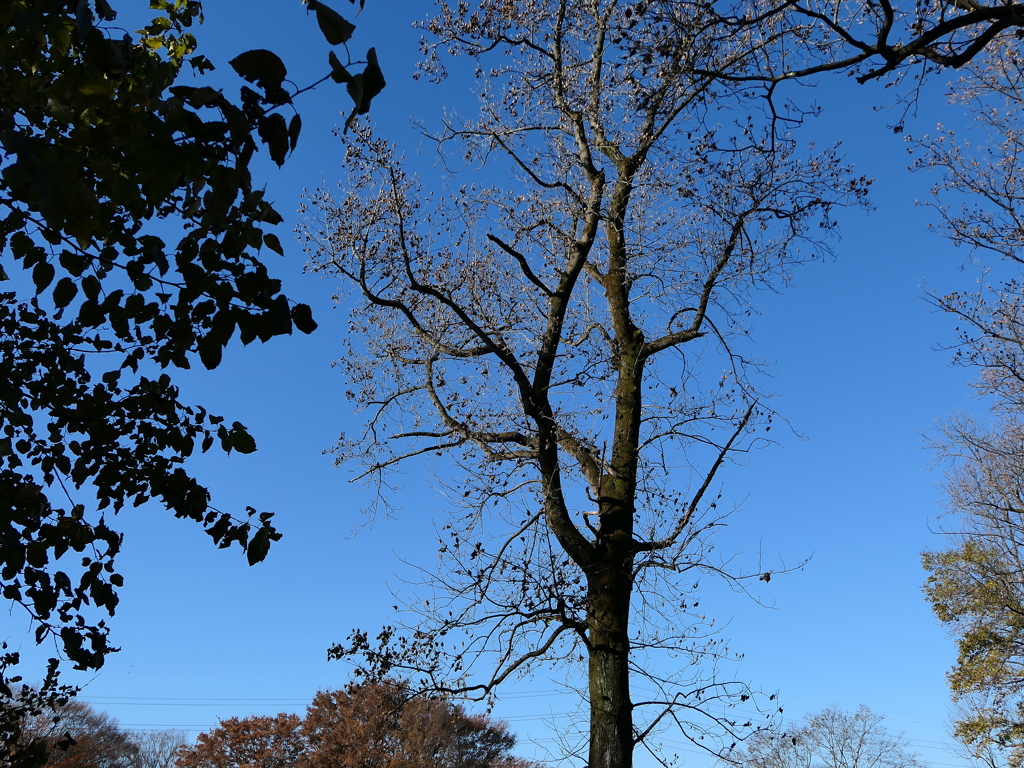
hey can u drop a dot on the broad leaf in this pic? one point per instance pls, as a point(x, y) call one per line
point(302, 316)
point(335, 27)
point(258, 547)
point(42, 275)
point(262, 67)
point(64, 292)
point(274, 132)
point(338, 72)
point(273, 243)
point(241, 440)
point(364, 86)
point(210, 352)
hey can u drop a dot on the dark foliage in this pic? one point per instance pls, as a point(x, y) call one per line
point(132, 240)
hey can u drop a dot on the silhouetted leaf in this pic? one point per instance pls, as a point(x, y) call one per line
point(273, 243)
point(104, 11)
point(364, 86)
point(302, 316)
point(64, 292)
point(241, 440)
point(258, 548)
point(109, 139)
point(338, 72)
point(274, 132)
point(210, 352)
point(197, 97)
point(334, 26)
point(42, 275)
point(262, 67)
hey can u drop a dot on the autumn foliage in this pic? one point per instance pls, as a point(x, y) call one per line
point(73, 734)
point(369, 725)
point(252, 742)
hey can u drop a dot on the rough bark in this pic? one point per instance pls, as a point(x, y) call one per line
point(611, 709)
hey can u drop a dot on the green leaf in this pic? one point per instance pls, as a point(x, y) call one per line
point(262, 67)
point(302, 316)
point(334, 26)
point(274, 132)
point(61, 39)
point(97, 88)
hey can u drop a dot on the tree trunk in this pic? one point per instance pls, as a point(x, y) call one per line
point(611, 711)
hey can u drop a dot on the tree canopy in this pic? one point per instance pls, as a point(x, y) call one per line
point(366, 725)
point(560, 337)
point(133, 242)
point(73, 734)
point(248, 742)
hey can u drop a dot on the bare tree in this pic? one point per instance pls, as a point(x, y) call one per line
point(976, 586)
point(978, 201)
point(831, 738)
point(556, 318)
point(158, 749)
point(874, 40)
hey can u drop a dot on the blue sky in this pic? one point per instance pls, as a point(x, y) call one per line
point(856, 371)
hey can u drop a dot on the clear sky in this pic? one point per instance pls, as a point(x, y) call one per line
point(857, 372)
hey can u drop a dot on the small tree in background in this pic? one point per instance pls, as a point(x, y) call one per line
point(158, 749)
point(378, 724)
point(248, 742)
point(831, 738)
point(76, 735)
